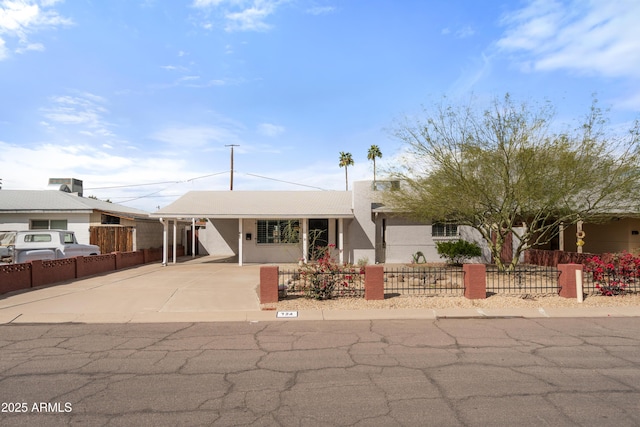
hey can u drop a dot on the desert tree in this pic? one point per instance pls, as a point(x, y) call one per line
point(346, 160)
point(509, 168)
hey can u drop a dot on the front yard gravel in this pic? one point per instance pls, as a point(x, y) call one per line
point(440, 302)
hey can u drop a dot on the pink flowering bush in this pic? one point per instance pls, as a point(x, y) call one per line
point(326, 278)
point(614, 277)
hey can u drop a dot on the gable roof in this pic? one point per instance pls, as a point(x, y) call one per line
point(23, 201)
point(260, 204)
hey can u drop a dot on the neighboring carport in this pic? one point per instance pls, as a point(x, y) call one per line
point(267, 221)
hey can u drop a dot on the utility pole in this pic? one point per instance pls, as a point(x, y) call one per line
point(231, 180)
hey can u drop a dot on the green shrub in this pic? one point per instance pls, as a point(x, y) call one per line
point(457, 252)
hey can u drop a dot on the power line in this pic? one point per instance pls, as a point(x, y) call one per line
point(286, 182)
point(154, 194)
point(155, 183)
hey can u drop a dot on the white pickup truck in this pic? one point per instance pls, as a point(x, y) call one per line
point(24, 246)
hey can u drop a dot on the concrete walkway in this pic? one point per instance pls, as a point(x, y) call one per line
point(203, 290)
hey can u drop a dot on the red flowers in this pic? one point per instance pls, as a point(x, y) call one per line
point(614, 277)
point(326, 278)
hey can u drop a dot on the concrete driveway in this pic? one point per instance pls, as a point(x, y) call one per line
point(199, 289)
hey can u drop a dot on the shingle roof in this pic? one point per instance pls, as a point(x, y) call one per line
point(52, 200)
point(260, 204)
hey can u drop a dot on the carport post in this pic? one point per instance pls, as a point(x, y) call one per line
point(175, 240)
point(341, 239)
point(165, 243)
point(305, 240)
point(193, 237)
point(240, 242)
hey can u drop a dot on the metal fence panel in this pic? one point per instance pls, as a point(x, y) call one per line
point(524, 279)
point(344, 284)
point(424, 281)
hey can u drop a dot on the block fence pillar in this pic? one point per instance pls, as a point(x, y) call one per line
point(268, 284)
point(567, 279)
point(118, 256)
point(475, 281)
point(373, 282)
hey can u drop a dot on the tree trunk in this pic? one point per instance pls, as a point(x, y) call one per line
point(346, 179)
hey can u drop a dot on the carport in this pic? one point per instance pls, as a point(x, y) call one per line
point(269, 225)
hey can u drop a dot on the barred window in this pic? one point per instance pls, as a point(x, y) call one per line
point(278, 231)
point(440, 229)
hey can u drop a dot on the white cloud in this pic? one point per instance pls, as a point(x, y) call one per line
point(270, 130)
point(3, 50)
point(321, 10)
point(250, 19)
point(85, 112)
point(465, 32)
point(169, 67)
point(208, 3)
point(238, 15)
point(600, 37)
point(461, 33)
point(21, 18)
point(39, 47)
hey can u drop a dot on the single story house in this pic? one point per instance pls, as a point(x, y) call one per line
point(62, 206)
point(286, 226)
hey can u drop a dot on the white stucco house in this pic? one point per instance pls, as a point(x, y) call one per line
point(284, 226)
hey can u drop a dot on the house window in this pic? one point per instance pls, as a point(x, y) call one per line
point(278, 231)
point(48, 224)
point(110, 220)
point(440, 229)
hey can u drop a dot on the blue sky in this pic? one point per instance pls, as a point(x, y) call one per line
point(138, 98)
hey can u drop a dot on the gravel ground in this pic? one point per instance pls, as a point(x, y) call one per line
point(494, 301)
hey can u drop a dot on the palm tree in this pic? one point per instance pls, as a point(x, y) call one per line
point(374, 151)
point(346, 160)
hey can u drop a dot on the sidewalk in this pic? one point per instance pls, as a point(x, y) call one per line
point(202, 290)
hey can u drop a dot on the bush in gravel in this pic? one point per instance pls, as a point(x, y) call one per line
point(457, 252)
point(326, 278)
point(614, 277)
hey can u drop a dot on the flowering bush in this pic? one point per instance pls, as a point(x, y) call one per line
point(326, 278)
point(614, 277)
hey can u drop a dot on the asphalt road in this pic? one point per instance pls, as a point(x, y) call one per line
point(456, 372)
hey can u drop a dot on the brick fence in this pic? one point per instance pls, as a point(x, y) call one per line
point(475, 282)
point(15, 277)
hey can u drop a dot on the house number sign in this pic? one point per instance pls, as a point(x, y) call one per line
point(286, 314)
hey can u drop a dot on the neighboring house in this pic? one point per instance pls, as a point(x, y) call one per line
point(284, 226)
point(616, 234)
point(108, 225)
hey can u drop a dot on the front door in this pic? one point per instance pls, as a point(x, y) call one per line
point(318, 237)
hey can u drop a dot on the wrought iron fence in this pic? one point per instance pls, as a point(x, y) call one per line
point(348, 283)
point(447, 280)
point(524, 279)
point(424, 281)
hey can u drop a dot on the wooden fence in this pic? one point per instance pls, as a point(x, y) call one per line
point(112, 238)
